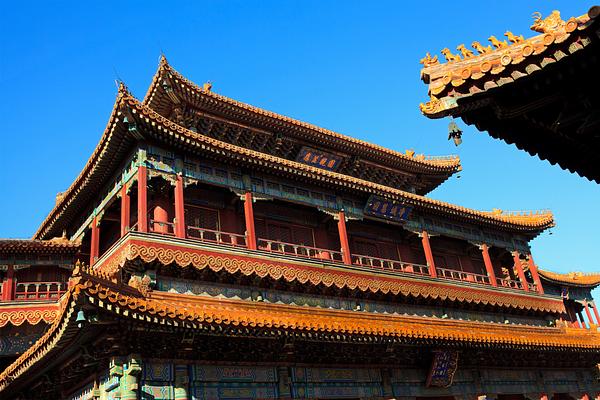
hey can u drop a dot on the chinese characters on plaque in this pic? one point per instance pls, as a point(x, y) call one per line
point(388, 209)
point(319, 159)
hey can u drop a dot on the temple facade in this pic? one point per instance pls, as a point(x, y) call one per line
point(210, 249)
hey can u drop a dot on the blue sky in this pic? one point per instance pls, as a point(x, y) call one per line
point(349, 66)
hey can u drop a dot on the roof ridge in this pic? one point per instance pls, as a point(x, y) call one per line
point(452, 160)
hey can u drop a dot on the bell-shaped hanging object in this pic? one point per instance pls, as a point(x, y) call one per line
point(454, 133)
point(81, 320)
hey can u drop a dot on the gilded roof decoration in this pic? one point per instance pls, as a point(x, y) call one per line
point(575, 278)
point(316, 274)
point(187, 311)
point(161, 126)
point(501, 62)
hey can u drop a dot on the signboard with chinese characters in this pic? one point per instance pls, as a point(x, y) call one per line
point(388, 209)
point(443, 368)
point(319, 159)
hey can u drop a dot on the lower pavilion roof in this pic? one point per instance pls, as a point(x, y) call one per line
point(539, 93)
point(196, 312)
point(28, 246)
point(117, 141)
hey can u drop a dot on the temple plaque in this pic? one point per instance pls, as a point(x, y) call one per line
point(319, 159)
point(387, 209)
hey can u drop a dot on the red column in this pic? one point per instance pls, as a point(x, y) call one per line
point(125, 210)
point(249, 216)
point(428, 254)
point(8, 286)
point(179, 208)
point(160, 220)
point(534, 274)
point(346, 255)
point(142, 222)
point(588, 313)
point(544, 397)
point(596, 313)
point(520, 271)
point(489, 267)
point(95, 241)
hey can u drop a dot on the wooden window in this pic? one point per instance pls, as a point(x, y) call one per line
point(283, 232)
point(201, 217)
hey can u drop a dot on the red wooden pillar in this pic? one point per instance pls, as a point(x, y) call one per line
point(588, 313)
point(346, 255)
point(428, 254)
point(8, 286)
point(534, 275)
point(544, 397)
point(520, 271)
point(142, 178)
point(125, 210)
point(179, 208)
point(489, 267)
point(95, 241)
point(249, 216)
point(596, 313)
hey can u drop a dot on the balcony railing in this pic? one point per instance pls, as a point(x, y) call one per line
point(389, 265)
point(162, 227)
point(26, 291)
point(217, 237)
point(462, 276)
point(299, 250)
point(509, 283)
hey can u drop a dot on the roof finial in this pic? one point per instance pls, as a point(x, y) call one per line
point(163, 59)
point(207, 87)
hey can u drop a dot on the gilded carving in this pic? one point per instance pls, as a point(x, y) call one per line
point(428, 61)
point(480, 49)
point(449, 56)
point(549, 24)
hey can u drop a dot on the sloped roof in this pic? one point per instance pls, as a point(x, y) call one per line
point(187, 311)
point(572, 278)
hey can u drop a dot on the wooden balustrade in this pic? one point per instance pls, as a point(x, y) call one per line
point(27, 291)
point(389, 265)
point(217, 237)
point(447, 273)
point(275, 246)
point(162, 227)
point(509, 283)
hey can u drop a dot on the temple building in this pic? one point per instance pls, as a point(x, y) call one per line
point(539, 93)
point(210, 249)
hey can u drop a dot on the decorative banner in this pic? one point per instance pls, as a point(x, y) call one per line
point(443, 367)
point(319, 159)
point(387, 209)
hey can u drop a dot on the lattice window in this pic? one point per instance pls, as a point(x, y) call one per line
point(200, 217)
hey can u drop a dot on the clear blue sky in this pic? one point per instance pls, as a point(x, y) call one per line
point(349, 66)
